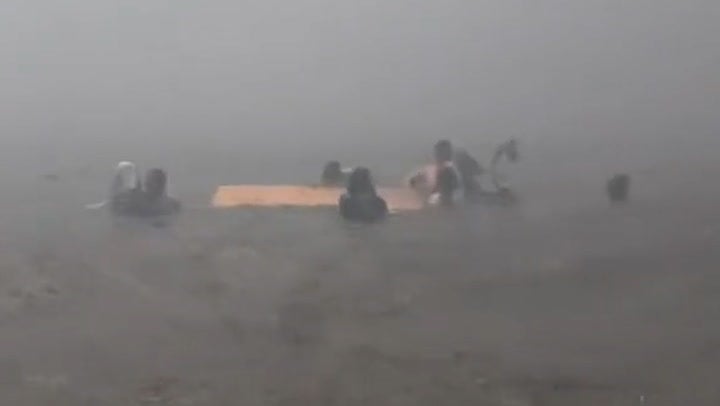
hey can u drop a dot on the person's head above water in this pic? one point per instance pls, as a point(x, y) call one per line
point(618, 188)
point(332, 173)
point(361, 203)
point(126, 178)
point(155, 183)
point(360, 182)
point(443, 151)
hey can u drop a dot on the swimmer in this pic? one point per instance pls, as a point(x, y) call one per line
point(156, 201)
point(427, 183)
point(361, 202)
point(470, 172)
point(126, 191)
point(618, 188)
point(334, 174)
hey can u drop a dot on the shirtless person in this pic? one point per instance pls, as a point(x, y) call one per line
point(440, 183)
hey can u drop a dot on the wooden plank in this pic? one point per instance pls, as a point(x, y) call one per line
point(398, 199)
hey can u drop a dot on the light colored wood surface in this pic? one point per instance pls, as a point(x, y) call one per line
point(398, 199)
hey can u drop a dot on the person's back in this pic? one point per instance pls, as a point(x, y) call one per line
point(127, 202)
point(448, 183)
point(365, 209)
point(618, 188)
point(361, 203)
point(156, 202)
point(469, 170)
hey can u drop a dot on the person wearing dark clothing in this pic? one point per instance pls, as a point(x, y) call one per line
point(446, 186)
point(470, 171)
point(361, 203)
point(156, 201)
point(618, 188)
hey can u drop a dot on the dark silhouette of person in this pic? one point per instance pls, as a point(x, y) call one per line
point(618, 188)
point(447, 184)
point(426, 181)
point(156, 201)
point(361, 202)
point(470, 171)
point(443, 152)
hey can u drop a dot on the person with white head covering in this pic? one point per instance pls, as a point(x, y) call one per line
point(129, 198)
point(126, 178)
point(126, 189)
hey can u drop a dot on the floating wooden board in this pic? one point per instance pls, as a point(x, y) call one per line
point(398, 199)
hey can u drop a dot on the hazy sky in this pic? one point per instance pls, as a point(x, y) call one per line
point(381, 69)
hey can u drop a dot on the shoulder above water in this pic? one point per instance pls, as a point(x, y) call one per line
point(367, 208)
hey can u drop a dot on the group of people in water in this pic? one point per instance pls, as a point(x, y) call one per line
point(452, 178)
point(129, 196)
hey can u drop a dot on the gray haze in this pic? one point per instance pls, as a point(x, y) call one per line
point(359, 72)
point(559, 300)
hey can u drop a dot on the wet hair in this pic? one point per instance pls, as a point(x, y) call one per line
point(618, 188)
point(443, 151)
point(360, 182)
point(361, 203)
point(155, 183)
point(332, 173)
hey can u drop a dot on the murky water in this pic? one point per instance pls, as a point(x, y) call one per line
point(560, 300)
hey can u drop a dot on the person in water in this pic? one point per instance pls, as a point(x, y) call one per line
point(156, 201)
point(334, 174)
point(618, 188)
point(441, 183)
point(126, 192)
point(361, 202)
point(470, 172)
point(129, 198)
point(448, 183)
